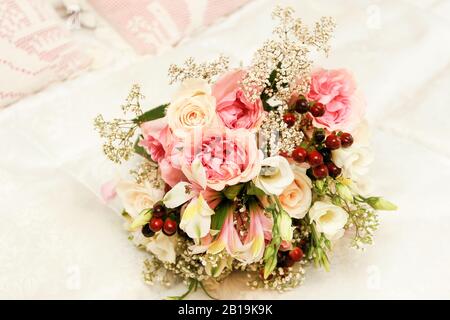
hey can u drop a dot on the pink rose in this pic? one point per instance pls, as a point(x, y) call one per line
point(163, 148)
point(336, 90)
point(156, 137)
point(227, 156)
point(232, 107)
point(170, 166)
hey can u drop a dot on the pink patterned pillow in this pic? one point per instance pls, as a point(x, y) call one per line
point(35, 49)
point(151, 25)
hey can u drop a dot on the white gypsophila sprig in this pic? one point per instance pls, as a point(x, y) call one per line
point(281, 67)
point(192, 70)
point(118, 133)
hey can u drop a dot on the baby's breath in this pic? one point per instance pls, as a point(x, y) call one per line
point(282, 66)
point(119, 134)
point(192, 70)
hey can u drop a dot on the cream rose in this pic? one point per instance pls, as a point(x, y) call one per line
point(192, 107)
point(163, 247)
point(137, 197)
point(296, 198)
point(329, 219)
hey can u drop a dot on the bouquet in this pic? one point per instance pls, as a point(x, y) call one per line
point(257, 169)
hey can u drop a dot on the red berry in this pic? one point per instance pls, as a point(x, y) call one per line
point(159, 210)
point(333, 142)
point(320, 172)
point(288, 262)
point(346, 139)
point(156, 224)
point(315, 158)
point(284, 154)
point(170, 227)
point(299, 154)
point(296, 254)
point(317, 109)
point(333, 170)
point(289, 119)
point(302, 106)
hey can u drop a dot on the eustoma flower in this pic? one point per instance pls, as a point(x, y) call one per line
point(275, 176)
point(233, 108)
point(354, 161)
point(245, 241)
point(329, 219)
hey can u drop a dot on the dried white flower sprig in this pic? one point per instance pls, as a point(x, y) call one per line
point(281, 67)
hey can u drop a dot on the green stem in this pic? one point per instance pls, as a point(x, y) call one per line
point(192, 288)
point(206, 291)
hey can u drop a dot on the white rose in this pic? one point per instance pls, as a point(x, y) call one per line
point(137, 197)
point(163, 247)
point(276, 174)
point(296, 198)
point(193, 107)
point(354, 161)
point(329, 219)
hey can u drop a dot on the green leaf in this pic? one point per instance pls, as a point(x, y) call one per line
point(218, 218)
point(270, 263)
point(253, 190)
point(142, 219)
point(379, 203)
point(232, 191)
point(344, 192)
point(153, 114)
point(141, 150)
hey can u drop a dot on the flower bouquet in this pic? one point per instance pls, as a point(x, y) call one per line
point(257, 169)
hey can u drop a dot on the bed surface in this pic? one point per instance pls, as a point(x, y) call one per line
point(59, 240)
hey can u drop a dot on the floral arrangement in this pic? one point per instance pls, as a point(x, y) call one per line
point(258, 169)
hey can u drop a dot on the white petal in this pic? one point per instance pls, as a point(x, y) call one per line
point(281, 177)
point(196, 218)
point(197, 173)
point(163, 247)
point(179, 194)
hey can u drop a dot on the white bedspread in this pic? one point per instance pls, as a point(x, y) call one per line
point(58, 240)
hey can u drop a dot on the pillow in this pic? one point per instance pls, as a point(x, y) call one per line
point(152, 25)
point(35, 49)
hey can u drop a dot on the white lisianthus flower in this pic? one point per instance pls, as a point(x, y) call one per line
point(163, 247)
point(137, 197)
point(296, 198)
point(354, 161)
point(276, 174)
point(193, 107)
point(329, 219)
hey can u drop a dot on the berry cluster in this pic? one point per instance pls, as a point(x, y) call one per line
point(161, 220)
point(318, 151)
point(302, 106)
